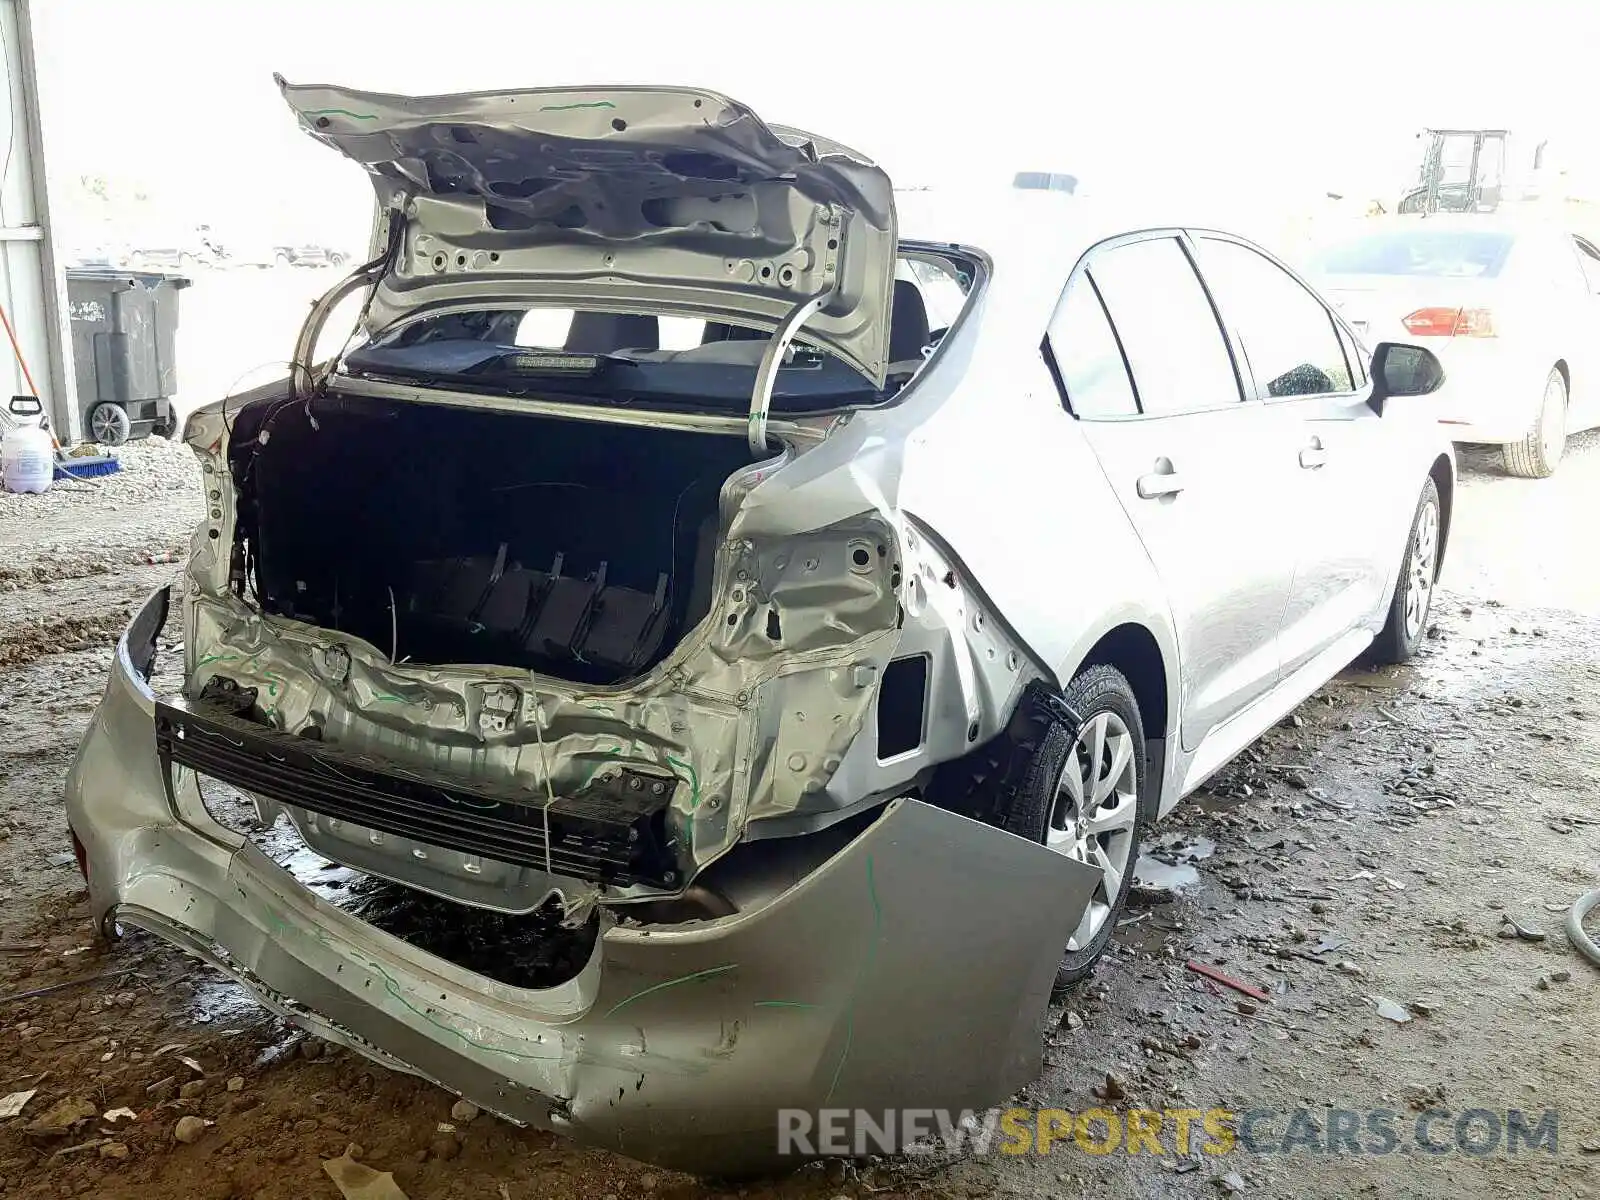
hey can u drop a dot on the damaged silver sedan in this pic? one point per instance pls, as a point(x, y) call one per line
point(719, 613)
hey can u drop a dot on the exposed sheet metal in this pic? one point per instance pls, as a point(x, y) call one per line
point(675, 1044)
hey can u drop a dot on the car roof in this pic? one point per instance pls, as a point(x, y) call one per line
point(1034, 239)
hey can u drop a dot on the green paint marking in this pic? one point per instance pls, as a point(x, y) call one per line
point(613, 752)
point(783, 1004)
point(340, 112)
point(570, 107)
point(392, 987)
point(388, 698)
point(598, 707)
point(708, 973)
point(216, 658)
point(693, 780)
point(861, 975)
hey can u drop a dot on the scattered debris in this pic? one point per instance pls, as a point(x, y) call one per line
point(61, 987)
point(236, 1084)
point(1216, 976)
point(1562, 976)
point(12, 1105)
point(114, 1150)
point(1112, 1089)
point(1389, 1010)
point(1424, 1008)
point(189, 1130)
point(464, 1111)
point(1510, 929)
point(1232, 1184)
point(62, 1116)
point(80, 1147)
point(356, 1181)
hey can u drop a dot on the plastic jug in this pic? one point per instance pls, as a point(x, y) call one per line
point(27, 453)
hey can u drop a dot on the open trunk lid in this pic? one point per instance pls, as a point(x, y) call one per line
point(618, 199)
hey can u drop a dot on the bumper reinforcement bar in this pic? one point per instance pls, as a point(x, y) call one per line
point(612, 830)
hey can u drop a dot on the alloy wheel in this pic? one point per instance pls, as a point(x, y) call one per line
point(1553, 420)
point(1421, 568)
point(1094, 813)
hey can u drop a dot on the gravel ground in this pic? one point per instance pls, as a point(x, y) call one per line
point(1357, 861)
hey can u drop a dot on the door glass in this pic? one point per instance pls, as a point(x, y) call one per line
point(1087, 358)
point(1287, 334)
point(1175, 348)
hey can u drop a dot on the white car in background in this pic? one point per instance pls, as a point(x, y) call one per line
point(1511, 308)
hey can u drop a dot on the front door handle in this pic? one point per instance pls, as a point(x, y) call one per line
point(1313, 456)
point(1163, 481)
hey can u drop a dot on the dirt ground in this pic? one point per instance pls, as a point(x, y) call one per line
point(1362, 856)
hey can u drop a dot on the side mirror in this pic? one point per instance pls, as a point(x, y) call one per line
point(1401, 370)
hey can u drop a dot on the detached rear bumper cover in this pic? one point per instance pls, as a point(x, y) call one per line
point(857, 986)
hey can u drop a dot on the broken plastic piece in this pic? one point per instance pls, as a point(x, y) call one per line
point(357, 1181)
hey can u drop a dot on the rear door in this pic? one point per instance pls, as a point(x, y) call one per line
point(1347, 475)
point(1202, 473)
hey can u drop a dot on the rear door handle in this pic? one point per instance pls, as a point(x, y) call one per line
point(1159, 483)
point(1312, 457)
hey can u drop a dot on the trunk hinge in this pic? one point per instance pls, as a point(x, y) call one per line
point(302, 380)
point(772, 362)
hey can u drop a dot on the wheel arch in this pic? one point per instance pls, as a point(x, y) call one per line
point(1443, 474)
point(1133, 648)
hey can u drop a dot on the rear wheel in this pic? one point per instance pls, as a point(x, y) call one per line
point(1538, 454)
point(1413, 590)
point(1081, 797)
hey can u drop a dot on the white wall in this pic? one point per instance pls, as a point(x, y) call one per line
point(31, 289)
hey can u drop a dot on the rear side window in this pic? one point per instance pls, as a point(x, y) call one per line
point(1087, 357)
point(1288, 335)
point(1174, 346)
point(1430, 253)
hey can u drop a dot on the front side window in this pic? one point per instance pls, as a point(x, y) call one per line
point(1169, 333)
point(1287, 334)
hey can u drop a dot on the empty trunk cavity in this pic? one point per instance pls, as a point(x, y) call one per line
point(445, 535)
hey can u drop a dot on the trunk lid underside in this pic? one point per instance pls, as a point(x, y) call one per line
point(627, 199)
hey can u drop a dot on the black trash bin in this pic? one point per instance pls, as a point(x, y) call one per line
point(124, 326)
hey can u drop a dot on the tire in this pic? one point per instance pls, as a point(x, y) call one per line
point(336, 260)
point(1419, 569)
point(1043, 801)
point(282, 260)
point(109, 424)
point(1538, 454)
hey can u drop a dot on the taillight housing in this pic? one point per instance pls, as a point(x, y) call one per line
point(1449, 322)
